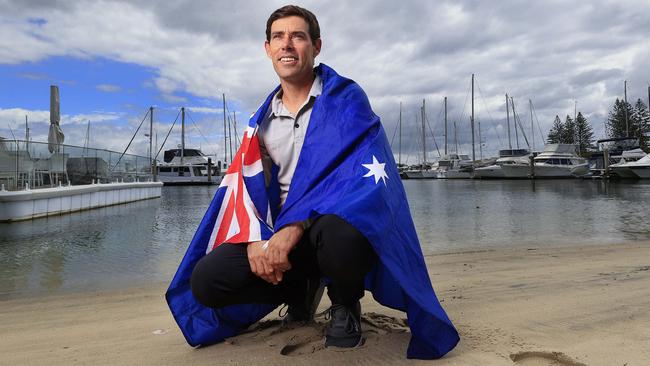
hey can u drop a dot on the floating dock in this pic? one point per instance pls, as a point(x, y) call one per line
point(31, 204)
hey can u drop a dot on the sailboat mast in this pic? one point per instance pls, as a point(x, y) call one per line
point(480, 141)
point(182, 134)
point(445, 125)
point(26, 134)
point(234, 126)
point(532, 128)
point(424, 146)
point(400, 134)
point(150, 138)
point(627, 124)
point(472, 120)
point(514, 117)
point(508, 120)
point(87, 140)
point(225, 151)
point(456, 137)
point(230, 140)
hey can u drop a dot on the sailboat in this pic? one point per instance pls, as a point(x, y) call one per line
point(425, 170)
point(184, 166)
point(508, 156)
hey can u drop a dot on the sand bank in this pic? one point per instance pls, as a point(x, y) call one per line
point(530, 306)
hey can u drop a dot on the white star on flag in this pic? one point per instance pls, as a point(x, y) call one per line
point(376, 169)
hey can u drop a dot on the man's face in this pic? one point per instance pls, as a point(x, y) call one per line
point(291, 50)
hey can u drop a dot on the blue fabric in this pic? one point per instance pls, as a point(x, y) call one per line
point(343, 134)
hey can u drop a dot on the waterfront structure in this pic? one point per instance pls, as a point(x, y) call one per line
point(30, 204)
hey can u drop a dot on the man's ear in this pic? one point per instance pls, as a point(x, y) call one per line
point(267, 47)
point(317, 46)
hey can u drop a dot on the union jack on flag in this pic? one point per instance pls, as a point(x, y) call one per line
point(244, 215)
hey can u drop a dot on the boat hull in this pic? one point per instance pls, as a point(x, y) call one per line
point(453, 174)
point(544, 171)
point(641, 171)
point(623, 172)
point(420, 174)
point(516, 171)
point(489, 172)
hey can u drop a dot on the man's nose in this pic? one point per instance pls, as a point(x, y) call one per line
point(287, 43)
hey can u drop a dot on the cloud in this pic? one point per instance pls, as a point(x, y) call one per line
point(552, 52)
point(108, 88)
point(173, 98)
point(205, 110)
point(16, 117)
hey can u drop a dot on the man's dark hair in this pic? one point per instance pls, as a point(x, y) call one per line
point(293, 10)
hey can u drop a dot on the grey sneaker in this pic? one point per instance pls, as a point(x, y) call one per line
point(304, 310)
point(344, 329)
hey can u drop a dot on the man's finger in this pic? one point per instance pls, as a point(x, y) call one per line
point(278, 276)
point(253, 265)
point(268, 269)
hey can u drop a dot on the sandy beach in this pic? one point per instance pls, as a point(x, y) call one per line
point(582, 305)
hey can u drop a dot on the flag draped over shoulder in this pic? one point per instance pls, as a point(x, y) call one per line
point(346, 168)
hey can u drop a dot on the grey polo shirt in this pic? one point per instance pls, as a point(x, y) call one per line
point(282, 135)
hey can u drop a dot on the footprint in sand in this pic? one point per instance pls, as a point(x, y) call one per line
point(543, 359)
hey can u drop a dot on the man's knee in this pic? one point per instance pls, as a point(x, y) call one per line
point(343, 251)
point(218, 274)
point(204, 286)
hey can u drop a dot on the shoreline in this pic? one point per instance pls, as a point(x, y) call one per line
point(567, 305)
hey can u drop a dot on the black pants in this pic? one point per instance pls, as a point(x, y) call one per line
point(330, 247)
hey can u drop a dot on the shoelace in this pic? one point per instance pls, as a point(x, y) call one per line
point(350, 326)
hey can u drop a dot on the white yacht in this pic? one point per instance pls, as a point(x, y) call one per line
point(556, 161)
point(640, 167)
point(506, 157)
point(455, 166)
point(622, 168)
point(428, 171)
point(187, 167)
point(620, 150)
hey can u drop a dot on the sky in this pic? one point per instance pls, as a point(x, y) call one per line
point(112, 60)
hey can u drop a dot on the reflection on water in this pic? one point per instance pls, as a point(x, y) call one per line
point(143, 242)
point(466, 214)
point(112, 247)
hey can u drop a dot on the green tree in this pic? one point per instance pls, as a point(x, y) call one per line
point(637, 125)
point(569, 136)
point(556, 132)
point(584, 134)
point(641, 123)
point(616, 125)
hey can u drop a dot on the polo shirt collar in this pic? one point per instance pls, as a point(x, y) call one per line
point(277, 108)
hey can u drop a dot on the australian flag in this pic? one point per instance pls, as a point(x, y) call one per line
point(346, 168)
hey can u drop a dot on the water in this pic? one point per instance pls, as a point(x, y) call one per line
point(143, 242)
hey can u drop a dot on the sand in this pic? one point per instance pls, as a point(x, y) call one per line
point(531, 306)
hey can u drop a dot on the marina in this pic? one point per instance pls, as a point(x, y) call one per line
point(142, 242)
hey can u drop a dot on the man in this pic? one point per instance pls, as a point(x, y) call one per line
point(313, 193)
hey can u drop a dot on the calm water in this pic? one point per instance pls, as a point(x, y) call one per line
point(143, 242)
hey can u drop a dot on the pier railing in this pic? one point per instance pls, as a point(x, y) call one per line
point(28, 164)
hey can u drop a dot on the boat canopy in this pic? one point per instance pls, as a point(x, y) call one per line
point(170, 154)
point(513, 152)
